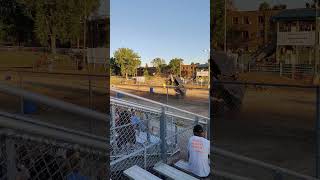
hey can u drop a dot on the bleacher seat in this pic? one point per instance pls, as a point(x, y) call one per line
point(136, 172)
point(171, 172)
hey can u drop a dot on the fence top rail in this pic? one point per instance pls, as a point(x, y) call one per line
point(48, 131)
point(266, 84)
point(167, 86)
point(158, 103)
point(53, 73)
point(260, 163)
point(155, 110)
point(72, 108)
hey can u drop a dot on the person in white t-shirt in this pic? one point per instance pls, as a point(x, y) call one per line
point(198, 152)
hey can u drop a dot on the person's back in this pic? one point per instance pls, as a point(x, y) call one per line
point(199, 149)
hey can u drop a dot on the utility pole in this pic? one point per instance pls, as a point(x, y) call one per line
point(225, 26)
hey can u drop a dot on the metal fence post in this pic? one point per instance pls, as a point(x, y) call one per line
point(145, 157)
point(21, 97)
point(90, 93)
point(292, 70)
point(280, 69)
point(317, 133)
point(196, 120)
point(11, 159)
point(163, 132)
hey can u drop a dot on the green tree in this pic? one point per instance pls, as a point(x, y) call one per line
point(15, 26)
point(145, 71)
point(114, 67)
point(81, 10)
point(217, 23)
point(57, 19)
point(264, 6)
point(128, 60)
point(312, 4)
point(158, 63)
point(175, 65)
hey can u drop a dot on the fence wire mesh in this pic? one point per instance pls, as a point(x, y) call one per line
point(145, 135)
point(26, 157)
point(272, 123)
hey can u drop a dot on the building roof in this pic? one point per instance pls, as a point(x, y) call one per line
point(203, 66)
point(296, 14)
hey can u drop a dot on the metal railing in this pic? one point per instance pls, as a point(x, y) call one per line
point(293, 71)
point(32, 149)
point(92, 85)
point(145, 133)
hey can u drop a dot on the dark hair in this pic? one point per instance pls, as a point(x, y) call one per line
point(197, 129)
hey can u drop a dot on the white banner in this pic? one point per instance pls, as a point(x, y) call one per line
point(203, 73)
point(305, 38)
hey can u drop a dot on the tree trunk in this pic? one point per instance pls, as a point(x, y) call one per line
point(53, 44)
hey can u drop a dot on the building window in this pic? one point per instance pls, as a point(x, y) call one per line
point(284, 27)
point(245, 35)
point(246, 20)
point(235, 20)
point(261, 19)
point(306, 26)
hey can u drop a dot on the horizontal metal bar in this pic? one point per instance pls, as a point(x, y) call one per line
point(154, 110)
point(167, 86)
point(158, 103)
point(33, 127)
point(72, 108)
point(263, 84)
point(260, 163)
point(55, 73)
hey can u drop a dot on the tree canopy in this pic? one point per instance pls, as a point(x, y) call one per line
point(175, 65)
point(15, 25)
point(264, 6)
point(128, 60)
point(158, 63)
point(58, 19)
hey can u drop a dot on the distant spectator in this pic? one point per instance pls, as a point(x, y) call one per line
point(198, 151)
point(136, 121)
point(74, 159)
point(126, 132)
point(22, 173)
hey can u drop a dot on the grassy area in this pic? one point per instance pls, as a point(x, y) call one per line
point(62, 63)
point(12, 58)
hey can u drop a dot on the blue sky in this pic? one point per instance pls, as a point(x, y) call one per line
point(254, 4)
point(162, 28)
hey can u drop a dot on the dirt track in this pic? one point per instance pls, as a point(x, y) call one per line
point(275, 125)
point(196, 100)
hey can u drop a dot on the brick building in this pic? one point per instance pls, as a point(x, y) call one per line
point(188, 70)
point(250, 30)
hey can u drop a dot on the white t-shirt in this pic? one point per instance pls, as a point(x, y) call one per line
point(199, 149)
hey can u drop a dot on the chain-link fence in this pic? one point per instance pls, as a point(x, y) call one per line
point(273, 123)
point(27, 156)
point(63, 142)
point(144, 134)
